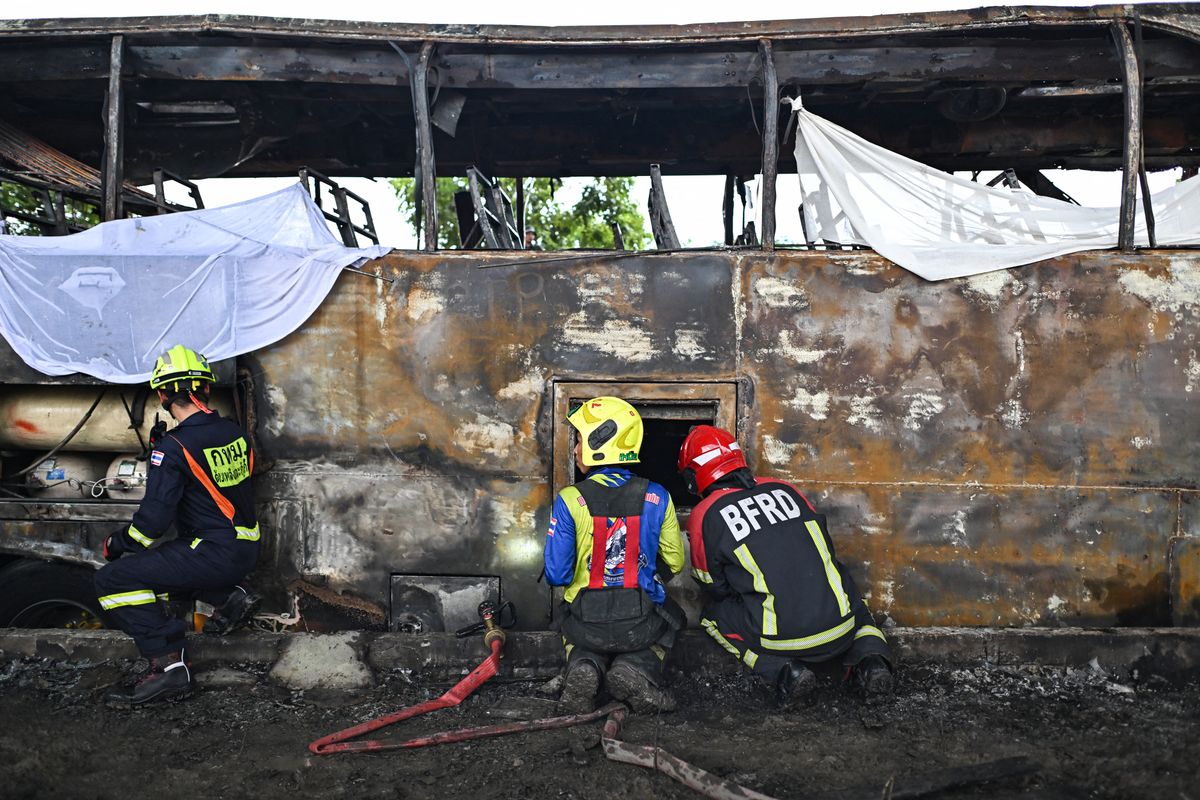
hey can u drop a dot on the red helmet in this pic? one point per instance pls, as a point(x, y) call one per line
point(708, 454)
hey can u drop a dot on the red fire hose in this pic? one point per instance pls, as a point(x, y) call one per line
point(336, 742)
point(493, 637)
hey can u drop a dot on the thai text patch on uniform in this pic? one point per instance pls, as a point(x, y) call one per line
point(229, 464)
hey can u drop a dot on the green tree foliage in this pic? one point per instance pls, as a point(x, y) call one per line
point(586, 224)
point(15, 197)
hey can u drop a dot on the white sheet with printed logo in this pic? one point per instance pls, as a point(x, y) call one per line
point(222, 281)
point(939, 225)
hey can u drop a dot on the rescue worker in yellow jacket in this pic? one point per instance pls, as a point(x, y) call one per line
point(775, 595)
point(613, 541)
point(199, 480)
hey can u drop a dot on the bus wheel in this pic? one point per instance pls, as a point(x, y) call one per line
point(48, 594)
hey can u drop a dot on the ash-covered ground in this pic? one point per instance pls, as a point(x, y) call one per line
point(1085, 734)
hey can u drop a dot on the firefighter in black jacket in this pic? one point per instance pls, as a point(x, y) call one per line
point(199, 479)
point(775, 594)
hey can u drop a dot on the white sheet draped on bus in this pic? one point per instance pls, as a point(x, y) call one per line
point(222, 281)
point(942, 226)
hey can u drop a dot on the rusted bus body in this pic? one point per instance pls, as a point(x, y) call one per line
point(1015, 448)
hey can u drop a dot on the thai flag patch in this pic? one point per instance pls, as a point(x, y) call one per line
point(651, 497)
point(581, 501)
point(553, 523)
point(156, 458)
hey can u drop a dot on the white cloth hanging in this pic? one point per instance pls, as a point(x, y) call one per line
point(939, 225)
point(223, 281)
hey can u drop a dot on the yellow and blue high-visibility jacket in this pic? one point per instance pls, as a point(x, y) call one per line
point(576, 557)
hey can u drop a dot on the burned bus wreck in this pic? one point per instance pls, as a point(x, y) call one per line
point(1010, 449)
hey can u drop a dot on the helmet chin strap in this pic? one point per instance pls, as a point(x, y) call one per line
point(689, 479)
point(196, 402)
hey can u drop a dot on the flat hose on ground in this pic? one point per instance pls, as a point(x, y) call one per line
point(718, 788)
point(702, 781)
point(337, 742)
point(493, 637)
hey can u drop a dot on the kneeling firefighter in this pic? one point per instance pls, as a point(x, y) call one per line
point(612, 537)
point(199, 479)
point(775, 595)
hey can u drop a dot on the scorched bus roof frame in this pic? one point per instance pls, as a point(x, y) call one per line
point(993, 88)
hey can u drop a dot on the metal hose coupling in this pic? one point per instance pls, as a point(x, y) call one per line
point(492, 632)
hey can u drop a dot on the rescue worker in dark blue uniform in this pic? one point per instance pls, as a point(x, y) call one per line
point(775, 595)
point(199, 479)
point(613, 538)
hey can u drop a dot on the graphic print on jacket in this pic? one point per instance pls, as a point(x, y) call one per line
point(624, 523)
point(614, 552)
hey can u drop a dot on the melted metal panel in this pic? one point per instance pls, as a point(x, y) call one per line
point(1076, 371)
point(1185, 580)
point(943, 555)
point(415, 435)
point(1006, 449)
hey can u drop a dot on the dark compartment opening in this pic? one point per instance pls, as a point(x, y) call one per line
point(660, 451)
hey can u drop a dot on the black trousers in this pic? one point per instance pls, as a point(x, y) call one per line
point(131, 589)
point(725, 621)
point(606, 626)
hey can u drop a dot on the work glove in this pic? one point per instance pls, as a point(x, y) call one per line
point(114, 546)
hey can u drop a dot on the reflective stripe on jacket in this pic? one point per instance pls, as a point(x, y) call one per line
point(199, 478)
point(770, 547)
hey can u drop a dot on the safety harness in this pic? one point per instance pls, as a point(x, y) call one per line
point(607, 504)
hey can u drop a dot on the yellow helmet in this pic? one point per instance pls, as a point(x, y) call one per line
point(610, 430)
point(184, 368)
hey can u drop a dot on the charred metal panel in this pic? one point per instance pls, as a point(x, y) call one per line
point(1003, 449)
point(409, 420)
point(935, 554)
point(1076, 371)
point(1185, 580)
point(1006, 449)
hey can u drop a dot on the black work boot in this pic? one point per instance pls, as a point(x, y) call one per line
point(579, 687)
point(630, 685)
point(873, 677)
point(234, 613)
point(169, 678)
point(795, 685)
